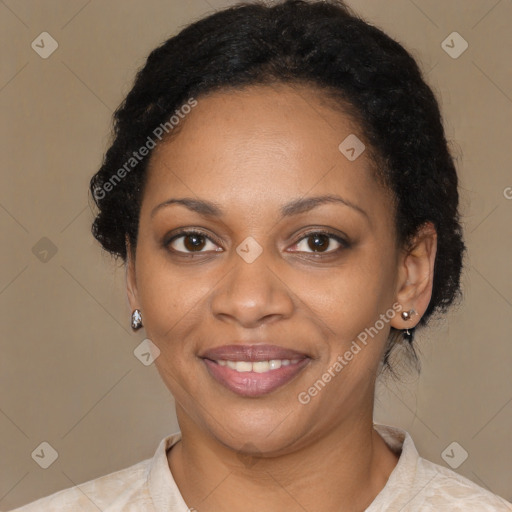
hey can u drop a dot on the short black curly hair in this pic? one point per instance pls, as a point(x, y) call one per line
point(326, 45)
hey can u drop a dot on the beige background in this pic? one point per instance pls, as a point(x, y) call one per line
point(68, 375)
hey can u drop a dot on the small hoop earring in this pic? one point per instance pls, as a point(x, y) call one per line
point(406, 315)
point(136, 319)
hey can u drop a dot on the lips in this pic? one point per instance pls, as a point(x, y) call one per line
point(253, 370)
point(251, 353)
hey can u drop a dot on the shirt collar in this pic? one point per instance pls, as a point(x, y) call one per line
point(403, 476)
point(162, 487)
point(166, 495)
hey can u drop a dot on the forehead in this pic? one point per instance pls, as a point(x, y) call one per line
point(263, 143)
point(281, 117)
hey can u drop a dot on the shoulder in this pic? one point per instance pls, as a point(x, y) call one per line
point(108, 493)
point(446, 488)
point(133, 489)
point(417, 484)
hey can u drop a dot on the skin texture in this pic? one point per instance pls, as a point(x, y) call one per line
point(252, 151)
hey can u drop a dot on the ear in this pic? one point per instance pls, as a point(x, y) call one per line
point(416, 276)
point(131, 282)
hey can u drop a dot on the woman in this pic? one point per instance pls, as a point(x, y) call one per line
point(281, 191)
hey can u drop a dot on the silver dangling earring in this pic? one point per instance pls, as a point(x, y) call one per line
point(406, 315)
point(136, 319)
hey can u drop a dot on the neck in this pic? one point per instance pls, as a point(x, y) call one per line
point(344, 469)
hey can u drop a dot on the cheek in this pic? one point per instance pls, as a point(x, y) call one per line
point(169, 297)
point(350, 297)
point(170, 306)
point(356, 305)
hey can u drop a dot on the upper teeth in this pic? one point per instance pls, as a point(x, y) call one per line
point(257, 366)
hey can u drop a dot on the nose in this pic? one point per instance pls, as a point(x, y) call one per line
point(252, 294)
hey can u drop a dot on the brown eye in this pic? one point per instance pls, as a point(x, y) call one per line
point(194, 242)
point(320, 242)
point(191, 241)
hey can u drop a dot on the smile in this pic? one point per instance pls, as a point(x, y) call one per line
point(253, 370)
point(257, 366)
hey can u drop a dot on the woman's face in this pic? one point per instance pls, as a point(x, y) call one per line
point(272, 265)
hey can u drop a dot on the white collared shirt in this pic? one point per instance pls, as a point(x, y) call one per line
point(414, 485)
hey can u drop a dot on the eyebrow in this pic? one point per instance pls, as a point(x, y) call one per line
point(301, 205)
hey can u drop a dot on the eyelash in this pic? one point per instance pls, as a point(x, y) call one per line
point(343, 243)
